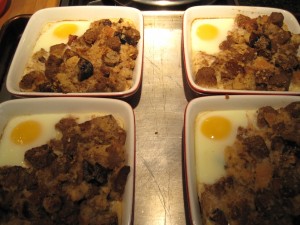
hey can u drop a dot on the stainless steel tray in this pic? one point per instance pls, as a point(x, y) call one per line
point(159, 115)
point(159, 111)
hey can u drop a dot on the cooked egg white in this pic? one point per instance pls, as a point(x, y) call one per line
point(22, 133)
point(25, 132)
point(214, 130)
point(208, 34)
point(58, 32)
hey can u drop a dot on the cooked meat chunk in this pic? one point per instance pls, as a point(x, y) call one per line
point(68, 54)
point(256, 146)
point(246, 22)
point(71, 38)
point(260, 42)
point(294, 109)
point(279, 81)
point(66, 123)
point(281, 37)
point(111, 58)
point(114, 43)
point(291, 133)
point(41, 55)
point(233, 68)
point(40, 157)
point(52, 66)
point(266, 116)
point(31, 80)
point(130, 35)
point(226, 45)
point(58, 50)
point(247, 56)
point(276, 18)
point(261, 79)
point(206, 77)
point(48, 87)
point(91, 35)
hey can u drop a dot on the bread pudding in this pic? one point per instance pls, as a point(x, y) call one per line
point(258, 54)
point(261, 184)
point(102, 59)
point(77, 178)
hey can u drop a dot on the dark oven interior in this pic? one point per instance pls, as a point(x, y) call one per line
point(149, 4)
point(181, 5)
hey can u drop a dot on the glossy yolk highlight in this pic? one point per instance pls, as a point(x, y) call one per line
point(207, 32)
point(26, 132)
point(64, 30)
point(216, 127)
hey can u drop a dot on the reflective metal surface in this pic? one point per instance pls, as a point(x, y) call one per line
point(159, 122)
point(167, 2)
point(148, 5)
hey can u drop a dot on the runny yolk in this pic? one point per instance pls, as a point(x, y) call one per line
point(207, 32)
point(64, 30)
point(26, 132)
point(216, 127)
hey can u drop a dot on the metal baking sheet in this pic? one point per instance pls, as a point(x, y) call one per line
point(159, 122)
point(159, 112)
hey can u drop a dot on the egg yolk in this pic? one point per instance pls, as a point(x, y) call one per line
point(207, 32)
point(64, 30)
point(216, 127)
point(26, 132)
